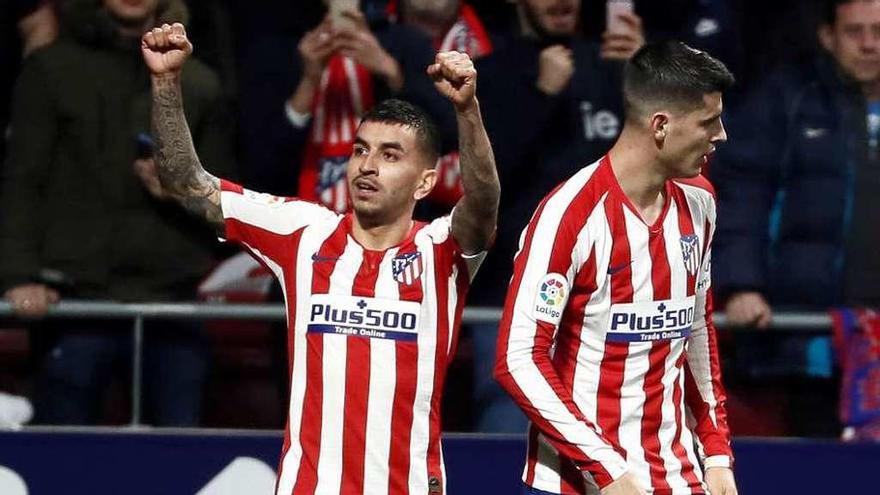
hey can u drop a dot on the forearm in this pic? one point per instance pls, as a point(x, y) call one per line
point(477, 210)
point(182, 175)
point(303, 96)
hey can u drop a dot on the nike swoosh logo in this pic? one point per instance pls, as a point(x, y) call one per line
point(614, 269)
point(316, 258)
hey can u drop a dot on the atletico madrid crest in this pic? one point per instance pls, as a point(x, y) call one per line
point(407, 268)
point(689, 245)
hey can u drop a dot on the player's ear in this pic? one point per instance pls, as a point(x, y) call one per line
point(659, 127)
point(427, 181)
point(826, 36)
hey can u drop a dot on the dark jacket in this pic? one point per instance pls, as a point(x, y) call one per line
point(73, 212)
point(271, 70)
point(539, 140)
point(786, 187)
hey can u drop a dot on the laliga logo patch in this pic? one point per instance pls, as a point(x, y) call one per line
point(551, 297)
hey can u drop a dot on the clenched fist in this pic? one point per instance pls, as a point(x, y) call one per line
point(555, 68)
point(455, 77)
point(165, 49)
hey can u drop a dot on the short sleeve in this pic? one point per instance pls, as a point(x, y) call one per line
point(261, 221)
point(440, 231)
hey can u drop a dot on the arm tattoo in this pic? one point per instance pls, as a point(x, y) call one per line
point(178, 166)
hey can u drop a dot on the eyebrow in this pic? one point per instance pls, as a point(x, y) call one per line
point(395, 145)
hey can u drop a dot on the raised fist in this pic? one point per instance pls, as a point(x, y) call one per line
point(455, 77)
point(555, 68)
point(165, 49)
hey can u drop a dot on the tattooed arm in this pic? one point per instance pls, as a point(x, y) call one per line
point(476, 213)
point(183, 179)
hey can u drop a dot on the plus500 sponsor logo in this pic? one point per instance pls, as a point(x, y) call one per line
point(364, 317)
point(651, 320)
point(375, 318)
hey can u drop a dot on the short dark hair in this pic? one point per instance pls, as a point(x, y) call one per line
point(399, 112)
point(671, 72)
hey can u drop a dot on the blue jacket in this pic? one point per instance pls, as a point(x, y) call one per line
point(785, 185)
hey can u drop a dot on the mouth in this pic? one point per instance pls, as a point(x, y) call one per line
point(364, 188)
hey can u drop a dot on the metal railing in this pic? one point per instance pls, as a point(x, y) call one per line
point(138, 312)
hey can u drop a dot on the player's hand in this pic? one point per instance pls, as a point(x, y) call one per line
point(455, 78)
point(623, 43)
point(165, 49)
point(315, 48)
point(31, 300)
point(145, 170)
point(555, 68)
point(719, 481)
point(625, 485)
point(357, 42)
point(748, 309)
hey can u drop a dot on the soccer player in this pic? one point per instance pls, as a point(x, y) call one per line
point(374, 299)
point(606, 340)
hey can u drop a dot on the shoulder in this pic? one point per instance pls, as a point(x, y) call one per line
point(572, 200)
point(699, 190)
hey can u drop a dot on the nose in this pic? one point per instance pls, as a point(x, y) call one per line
point(367, 165)
point(721, 136)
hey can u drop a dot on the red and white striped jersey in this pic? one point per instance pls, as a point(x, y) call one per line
point(607, 339)
point(371, 334)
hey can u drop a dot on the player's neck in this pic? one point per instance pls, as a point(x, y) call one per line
point(379, 236)
point(637, 171)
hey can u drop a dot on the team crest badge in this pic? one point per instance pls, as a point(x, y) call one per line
point(689, 249)
point(407, 268)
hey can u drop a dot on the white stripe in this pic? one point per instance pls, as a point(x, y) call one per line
point(427, 345)
point(383, 379)
point(632, 401)
point(281, 217)
point(309, 243)
point(333, 371)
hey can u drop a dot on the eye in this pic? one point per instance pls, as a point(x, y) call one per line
point(389, 156)
point(359, 150)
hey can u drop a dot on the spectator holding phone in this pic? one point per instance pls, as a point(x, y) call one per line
point(78, 222)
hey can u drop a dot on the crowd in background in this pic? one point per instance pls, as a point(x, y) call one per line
point(274, 99)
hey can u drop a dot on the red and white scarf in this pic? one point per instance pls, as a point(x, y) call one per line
point(345, 93)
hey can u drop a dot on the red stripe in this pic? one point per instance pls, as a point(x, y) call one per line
point(652, 418)
point(532, 455)
point(613, 367)
point(568, 344)
point(404, 394)
point(357, 384)
point(312, 407)
point(687, 469)
point(289, 272)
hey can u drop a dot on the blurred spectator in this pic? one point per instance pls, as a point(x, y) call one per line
point(552, 103)
point(451, 25)
point(79, 223)
point(797, 189)
point(710, 25)
point(302, 99)
point(25, 25)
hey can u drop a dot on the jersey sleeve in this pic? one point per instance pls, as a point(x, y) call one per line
point(553, 249)
point(704, 393)
point(261, 222)
point(441, 232)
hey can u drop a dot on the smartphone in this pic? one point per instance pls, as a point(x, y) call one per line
point(613, 9)
point(337, 7)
